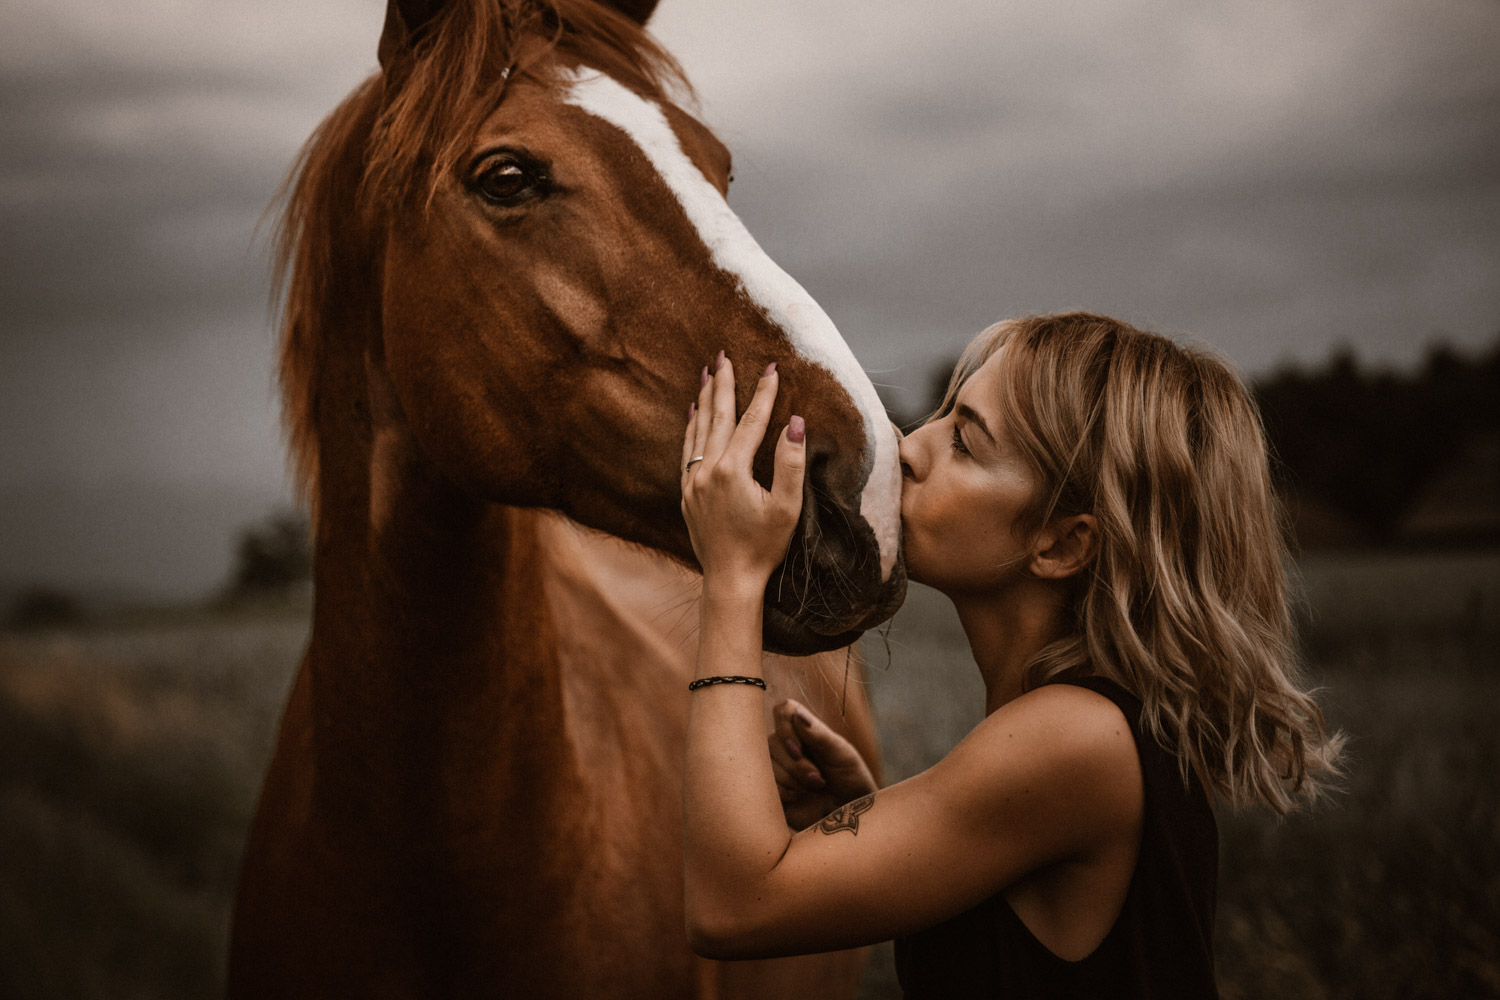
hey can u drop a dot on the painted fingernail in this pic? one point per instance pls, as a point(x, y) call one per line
point(719, 361)
point(796, 430)
point(703, 379)
point(692, 409)
point(770, 368)
point(802, 713)
point(815, 780)
point(794, 748)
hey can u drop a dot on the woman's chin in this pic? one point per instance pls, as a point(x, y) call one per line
point(918, 572)
point(914, 574)
point(910, 556)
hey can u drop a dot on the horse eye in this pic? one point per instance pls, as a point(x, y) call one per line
point(508, 183)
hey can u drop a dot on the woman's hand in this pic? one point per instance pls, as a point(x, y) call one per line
point(817, 770)
point(740, 531)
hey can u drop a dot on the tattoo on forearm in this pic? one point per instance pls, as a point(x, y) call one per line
point(846, 816)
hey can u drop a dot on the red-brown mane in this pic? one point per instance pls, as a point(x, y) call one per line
point(407, 125)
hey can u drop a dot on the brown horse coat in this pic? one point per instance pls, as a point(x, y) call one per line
point(476, 788)
point(510, 832)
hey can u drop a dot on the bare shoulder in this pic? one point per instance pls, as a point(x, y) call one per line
point(1080, 719)
point(1050, 778)
point(1063, 723)
point(1068, 752)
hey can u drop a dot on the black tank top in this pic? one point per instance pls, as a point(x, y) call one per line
point(1161, 945)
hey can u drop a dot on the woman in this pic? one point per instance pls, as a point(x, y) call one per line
point(1096, 502)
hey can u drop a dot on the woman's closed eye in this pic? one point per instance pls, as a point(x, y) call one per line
point(958, 442)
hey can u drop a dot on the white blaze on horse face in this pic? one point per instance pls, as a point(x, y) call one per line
point(808, 328)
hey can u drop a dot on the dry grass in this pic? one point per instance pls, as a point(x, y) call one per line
point(129, 762)
point(130, 756)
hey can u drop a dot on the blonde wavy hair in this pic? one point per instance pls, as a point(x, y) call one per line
point(1185, 604)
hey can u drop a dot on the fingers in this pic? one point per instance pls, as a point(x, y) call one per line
point(788, 755)
point(791, 466)
point(813, 733)
point(782, 714)
point(722, 410)
point(688, 435)
point(792, 787)
point(700, 428)
point(751, 429)
point(818, 740)
point(715, 434)
point(793, 771)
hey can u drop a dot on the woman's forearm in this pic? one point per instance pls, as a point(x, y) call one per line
point(734, 831)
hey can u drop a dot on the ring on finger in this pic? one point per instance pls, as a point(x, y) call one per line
point(689, 467)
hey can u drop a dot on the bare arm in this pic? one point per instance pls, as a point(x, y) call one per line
point(1048, 777)
point(732, 819)
point(734, 830)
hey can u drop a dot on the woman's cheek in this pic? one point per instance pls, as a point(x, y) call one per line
point(932, 528)
point(936, 516)
point(913, 530)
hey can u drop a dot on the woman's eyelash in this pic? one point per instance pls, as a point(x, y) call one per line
point(958, 442)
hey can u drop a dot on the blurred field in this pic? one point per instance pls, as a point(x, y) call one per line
point(130, 757)
point(130, 753)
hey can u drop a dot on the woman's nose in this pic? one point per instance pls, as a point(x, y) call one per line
point(906, 450)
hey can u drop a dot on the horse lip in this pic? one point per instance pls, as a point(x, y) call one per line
point(783, 634)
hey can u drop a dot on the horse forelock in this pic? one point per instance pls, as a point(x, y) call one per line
point(397, 134)
point(439, 93)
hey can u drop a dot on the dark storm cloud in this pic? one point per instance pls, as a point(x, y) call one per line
point(137, 417)
point(1274, 178)
point(116, 200)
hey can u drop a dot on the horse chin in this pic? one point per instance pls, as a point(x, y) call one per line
point(789, 635)
point(783, 634)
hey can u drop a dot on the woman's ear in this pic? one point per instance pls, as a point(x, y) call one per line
point(1064, 547)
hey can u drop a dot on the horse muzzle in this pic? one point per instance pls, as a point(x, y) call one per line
point(828, 590)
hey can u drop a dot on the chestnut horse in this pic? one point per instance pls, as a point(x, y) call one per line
point(509, 257)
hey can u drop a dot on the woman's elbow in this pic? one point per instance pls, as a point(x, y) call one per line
point(710, 944)
point(717, 931)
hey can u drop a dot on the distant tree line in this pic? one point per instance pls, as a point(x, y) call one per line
point(272, 557)
point(42, 607)
point(1366, 442)
point(1369, 442)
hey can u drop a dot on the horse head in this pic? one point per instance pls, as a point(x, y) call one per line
point(555, 261)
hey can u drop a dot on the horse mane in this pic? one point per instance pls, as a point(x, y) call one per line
point(397, 135)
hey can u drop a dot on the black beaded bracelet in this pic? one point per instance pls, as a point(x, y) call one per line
point(734, 679)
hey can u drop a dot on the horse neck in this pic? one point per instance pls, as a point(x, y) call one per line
point(431, 663)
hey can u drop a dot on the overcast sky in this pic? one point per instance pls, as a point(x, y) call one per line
point(1272, 178)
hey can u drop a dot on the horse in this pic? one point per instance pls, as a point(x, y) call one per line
point(508, 258)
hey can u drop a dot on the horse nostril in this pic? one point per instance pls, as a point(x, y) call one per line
point(906, 472)
point(820, 457)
